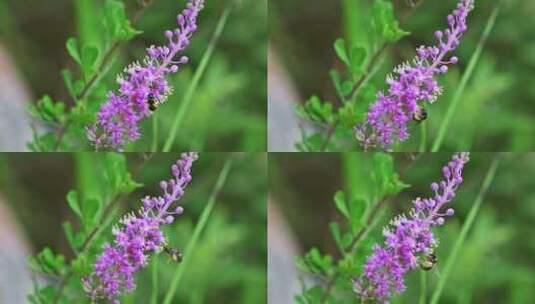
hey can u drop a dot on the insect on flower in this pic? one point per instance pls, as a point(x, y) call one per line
point(174, 254)
point(412, 86)
point(137, 236)
point(419, 115)
point(153, 103)
point(428, 261)
point(143, 86)
point(409, 242)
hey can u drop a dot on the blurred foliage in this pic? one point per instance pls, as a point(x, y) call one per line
point(495, 264)
point(233, 242)
point(228, 112)
point(496, 109)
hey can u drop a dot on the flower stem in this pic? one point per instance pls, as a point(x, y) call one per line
point(452, 256)
point(184, 106)
point(154, 296)
point(423, 286)
point(464, 80)
point(199, 228)
point(155, 133)
point(423, 137)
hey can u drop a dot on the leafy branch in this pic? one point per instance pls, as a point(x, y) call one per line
point(361, 218)
point(387, 26)
point(95, 218)
point(119, 31)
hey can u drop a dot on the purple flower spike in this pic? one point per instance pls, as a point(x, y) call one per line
point(409, 239)
point(137, 236)
point(143, 86)
point(412, 86)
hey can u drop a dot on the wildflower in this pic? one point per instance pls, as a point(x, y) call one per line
point(412, 86)
point(409, 240)
point(138, 235)
point(143, 86)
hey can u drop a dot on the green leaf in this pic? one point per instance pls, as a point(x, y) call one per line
point(117, 174)
point(315, 110)
point(337, 234)
point(73, 50)
point(116, 22)
point(341, 50)
point(315, 262)
point(44, 295)
point(357, 58)
point(311, 296)
point(75, 240)
point(346, 240)
point(313, 142)
point(386, 179)
point(365, 98)
point(47, 262)
point(48, 110)
point(72, 200)
point(347, 87)
point(68, 79)
point(341, 205)
point(337, 80)
point(90, 209)
point(385, 22)
point(89, 58)
point(357, 209)
point(44, 143)
point(346, 116)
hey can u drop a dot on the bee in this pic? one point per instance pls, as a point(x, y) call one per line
point(428, 262)
point(419, 115)
point(153, 103)
point(173, 253)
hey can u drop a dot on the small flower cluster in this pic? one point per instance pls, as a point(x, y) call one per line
point(143, 86)
point(409, 240)
point(138, 236)
point(414, 85)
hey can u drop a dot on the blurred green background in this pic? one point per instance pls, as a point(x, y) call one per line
point(228, 111)
point(496, 111)
point(495, 265)
point(229, 262)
